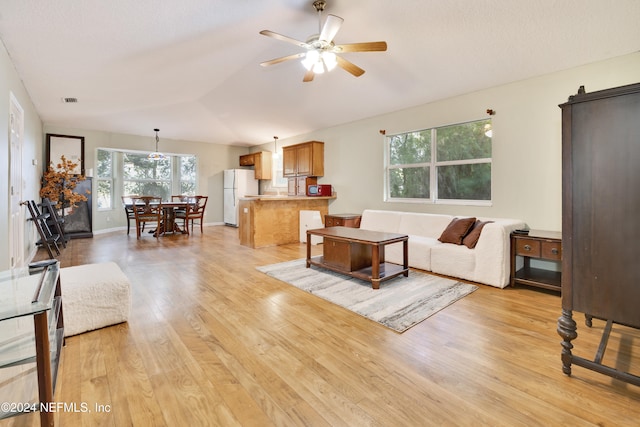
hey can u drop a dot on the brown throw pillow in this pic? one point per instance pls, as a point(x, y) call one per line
point(456, 230)
point(471, 239)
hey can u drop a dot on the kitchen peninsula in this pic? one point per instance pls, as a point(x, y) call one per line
point(271, 220)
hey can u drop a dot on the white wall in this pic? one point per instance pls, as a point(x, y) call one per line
point(32, 138)
point(526, 151)
point(212, 160)
point(526, 166)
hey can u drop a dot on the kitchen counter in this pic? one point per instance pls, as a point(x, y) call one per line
point(272, 197)
point(269, 220)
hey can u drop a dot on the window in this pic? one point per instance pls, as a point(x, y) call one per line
point(278, 180)
point(188, 177)
point(125, 173)
point(144, 176)
point(104, 179)
point(449, 164)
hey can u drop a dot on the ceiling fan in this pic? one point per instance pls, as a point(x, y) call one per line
point(321, 53)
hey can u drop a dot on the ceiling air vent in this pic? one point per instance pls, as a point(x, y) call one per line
point(69, 100)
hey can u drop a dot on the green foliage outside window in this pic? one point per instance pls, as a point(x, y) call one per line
point(137, 174)
point(447, 163)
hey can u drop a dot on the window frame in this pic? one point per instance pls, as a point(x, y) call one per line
point(433, 164)
point(118, 178)
point(109, 179)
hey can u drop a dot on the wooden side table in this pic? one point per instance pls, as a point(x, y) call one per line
point(344, 220)
point(538, 244)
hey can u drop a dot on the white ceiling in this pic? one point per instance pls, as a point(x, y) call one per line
point(190, 67)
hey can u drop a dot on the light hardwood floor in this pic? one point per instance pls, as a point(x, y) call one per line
point(213, 342)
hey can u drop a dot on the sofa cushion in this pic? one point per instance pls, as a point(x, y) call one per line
point(454, 260)
point(471, 239)
point(456, 230)
point(388, 221)
point(423, 224)
point(419, 252)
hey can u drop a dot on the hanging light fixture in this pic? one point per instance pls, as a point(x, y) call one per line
point(156, 155)
point(275, 147)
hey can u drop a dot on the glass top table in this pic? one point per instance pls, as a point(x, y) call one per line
point(31, 337)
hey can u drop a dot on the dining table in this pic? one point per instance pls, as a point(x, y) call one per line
point(168, 223)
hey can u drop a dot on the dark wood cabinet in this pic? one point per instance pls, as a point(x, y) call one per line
point(342, 220)
point(600, 204)
point(536, 244)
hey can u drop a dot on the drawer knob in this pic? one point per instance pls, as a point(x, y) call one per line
point(554, 251)
point(527, 247)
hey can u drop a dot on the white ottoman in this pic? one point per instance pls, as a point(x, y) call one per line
point(94, 296)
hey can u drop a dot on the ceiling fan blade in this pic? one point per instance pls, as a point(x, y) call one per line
point(308, 76)
point(282, 59)
point(349, 66)
point(361, 47)
point(283, 38)
point(331, 26)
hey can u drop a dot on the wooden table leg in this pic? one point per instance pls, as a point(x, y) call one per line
point(308, 250)
point(43, 364)
point(405, 255)
point(375, 266)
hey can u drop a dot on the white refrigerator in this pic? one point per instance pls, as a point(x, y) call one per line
point(237, 183)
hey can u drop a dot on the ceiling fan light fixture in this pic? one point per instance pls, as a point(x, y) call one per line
point(310, 59)
point(329, 59)
point(318, 67)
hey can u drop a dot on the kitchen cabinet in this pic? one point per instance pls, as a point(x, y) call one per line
point(297, 186)
point(261, 162)
point(306, 159)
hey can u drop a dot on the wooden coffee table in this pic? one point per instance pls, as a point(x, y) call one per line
point(358, 253)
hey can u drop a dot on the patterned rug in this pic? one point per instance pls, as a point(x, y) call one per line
point(399, 304)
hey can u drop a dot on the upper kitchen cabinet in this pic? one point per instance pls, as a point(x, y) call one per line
point(306, 159)
point(261, 162)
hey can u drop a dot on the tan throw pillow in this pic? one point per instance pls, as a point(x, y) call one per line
point(471, 239)
point(456, 230)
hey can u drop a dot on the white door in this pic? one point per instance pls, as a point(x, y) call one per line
point(17, 216)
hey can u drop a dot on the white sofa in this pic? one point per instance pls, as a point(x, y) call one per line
point(487, 263)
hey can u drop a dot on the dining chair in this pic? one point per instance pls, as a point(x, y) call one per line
point(196, 211)
point(181, 213)
point(127, 204)
point(147, 209)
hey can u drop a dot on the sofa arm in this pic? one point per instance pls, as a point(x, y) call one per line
point(493, 256)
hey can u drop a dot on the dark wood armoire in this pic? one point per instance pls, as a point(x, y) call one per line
point(600, 217)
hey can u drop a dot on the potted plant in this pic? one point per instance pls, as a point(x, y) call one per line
point(59, 183)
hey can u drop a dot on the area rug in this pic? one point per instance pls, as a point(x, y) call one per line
point(399, 304)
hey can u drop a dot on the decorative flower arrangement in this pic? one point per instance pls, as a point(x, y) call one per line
point(58, 185)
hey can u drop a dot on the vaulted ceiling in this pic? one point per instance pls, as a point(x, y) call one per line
point(191, 67)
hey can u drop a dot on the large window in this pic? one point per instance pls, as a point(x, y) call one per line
point(104, 179)
point(450, 164)
point(144, 176)
point(124, 173)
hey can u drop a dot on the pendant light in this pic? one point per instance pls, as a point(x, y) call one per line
point(275, 147)
point(156, 155)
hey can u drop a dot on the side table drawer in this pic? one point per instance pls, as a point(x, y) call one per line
point(552, 251)
point(342, 220)
point(331, 221)
point(528, 247)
